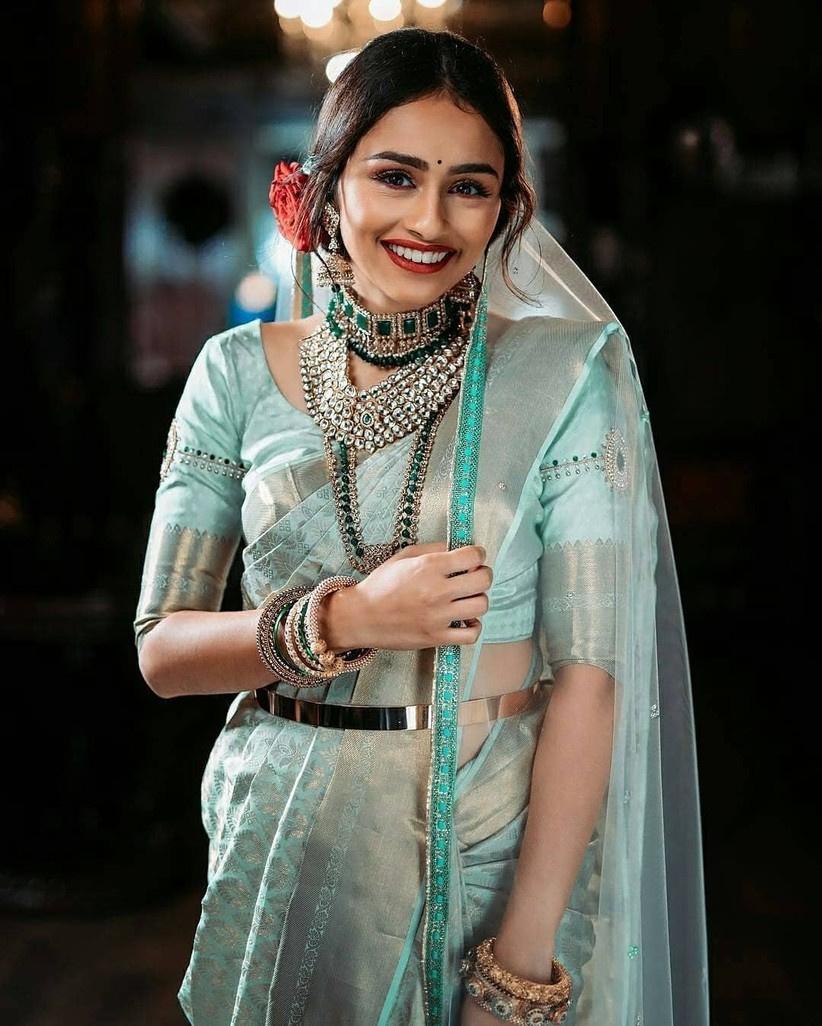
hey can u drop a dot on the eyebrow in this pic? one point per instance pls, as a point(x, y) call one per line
point(418, 162)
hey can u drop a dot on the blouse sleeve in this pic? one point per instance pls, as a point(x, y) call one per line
point(584, 478)
point(196, 525)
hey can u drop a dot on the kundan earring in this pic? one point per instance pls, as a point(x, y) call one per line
point(339, 270)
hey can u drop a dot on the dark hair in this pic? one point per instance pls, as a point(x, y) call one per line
point(405, 65)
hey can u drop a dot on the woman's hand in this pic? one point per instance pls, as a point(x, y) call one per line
point(511, 955)
point(409, 601)
point(472, 1015)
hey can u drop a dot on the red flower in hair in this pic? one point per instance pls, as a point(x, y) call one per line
point(284, 197)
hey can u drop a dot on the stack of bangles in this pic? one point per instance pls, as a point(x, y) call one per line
point(307, 661)
point(512, 998)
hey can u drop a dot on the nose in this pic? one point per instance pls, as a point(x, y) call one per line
point(426, 219)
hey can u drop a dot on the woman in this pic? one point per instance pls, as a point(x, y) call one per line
point(457, 783)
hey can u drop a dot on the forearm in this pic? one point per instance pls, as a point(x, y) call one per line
point(569, 778)
point(192, 652)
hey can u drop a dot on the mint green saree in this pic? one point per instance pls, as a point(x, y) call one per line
point(316, 885)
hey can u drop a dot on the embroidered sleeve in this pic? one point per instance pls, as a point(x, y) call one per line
point(196, 524)
point(585, 477)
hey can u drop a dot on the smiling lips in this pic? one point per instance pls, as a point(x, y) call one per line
point(415, 257)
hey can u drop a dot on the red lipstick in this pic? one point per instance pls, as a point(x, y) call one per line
point(410, 265)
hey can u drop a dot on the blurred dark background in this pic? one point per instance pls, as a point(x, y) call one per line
point(678, 157)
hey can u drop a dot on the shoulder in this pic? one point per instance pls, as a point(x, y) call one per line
point(541, 330)
point(549, 354)
point(285, 334)
point(224, 347)
point(238, 355)
point(223, 376)
point(233, 346)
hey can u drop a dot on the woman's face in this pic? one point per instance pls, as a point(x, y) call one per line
point(427, 177)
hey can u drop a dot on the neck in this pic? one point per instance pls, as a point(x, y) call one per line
point(385, 305)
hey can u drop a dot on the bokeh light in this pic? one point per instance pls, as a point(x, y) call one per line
point(556, 14)
point(385, 10)
point(335, 64)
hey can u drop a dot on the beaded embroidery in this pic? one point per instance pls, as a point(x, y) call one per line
point(612, 458)
point(169, 451)
point(616, 460)
point(199, 458)
point(574, 464)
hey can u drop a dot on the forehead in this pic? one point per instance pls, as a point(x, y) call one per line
point(433, 128)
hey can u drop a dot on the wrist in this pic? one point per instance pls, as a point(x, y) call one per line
point(522, 957)
point(337, 620)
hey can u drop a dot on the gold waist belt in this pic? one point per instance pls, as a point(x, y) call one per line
point(398, 717)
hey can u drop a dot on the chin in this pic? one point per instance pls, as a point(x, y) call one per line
point(411, 294)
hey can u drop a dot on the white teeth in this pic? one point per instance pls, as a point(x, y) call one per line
point(418, 256)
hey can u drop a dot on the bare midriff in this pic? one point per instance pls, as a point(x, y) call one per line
point(502, 668)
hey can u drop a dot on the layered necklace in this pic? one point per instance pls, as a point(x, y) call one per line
point(428, 348)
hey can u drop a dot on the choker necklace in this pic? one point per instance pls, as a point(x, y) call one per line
point(397, 339)
point(413, 398)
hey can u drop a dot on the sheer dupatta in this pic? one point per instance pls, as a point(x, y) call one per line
point(564, 492)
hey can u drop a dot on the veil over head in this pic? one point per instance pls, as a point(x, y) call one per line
point(609, 596)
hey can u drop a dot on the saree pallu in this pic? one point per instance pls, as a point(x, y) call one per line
point(315, 885)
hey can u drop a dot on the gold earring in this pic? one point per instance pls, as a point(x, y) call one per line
point(339, 269)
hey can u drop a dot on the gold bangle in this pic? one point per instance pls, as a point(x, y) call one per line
point(558, 989)
point(293, 645)
point(270, 611)
point(549, 1004)
point(312, 627)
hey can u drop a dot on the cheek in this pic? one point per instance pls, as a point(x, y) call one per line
point(475, 224)
point(364, 213)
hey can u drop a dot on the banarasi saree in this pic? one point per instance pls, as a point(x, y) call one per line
point(315, 892)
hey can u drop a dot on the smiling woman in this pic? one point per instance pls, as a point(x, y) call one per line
point(458, 771)
point(419, 202)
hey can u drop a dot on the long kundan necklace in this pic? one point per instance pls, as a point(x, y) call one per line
point(427, 346)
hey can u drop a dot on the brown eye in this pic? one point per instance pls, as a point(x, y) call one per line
point(383, 176)
point(481, 189)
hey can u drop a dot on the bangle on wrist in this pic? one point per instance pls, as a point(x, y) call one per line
point(513, 998)
point(306, 661)
point(352, 659)
point(274, 608)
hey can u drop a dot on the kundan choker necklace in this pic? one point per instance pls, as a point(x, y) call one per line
point(396, 339)
point(413, 398)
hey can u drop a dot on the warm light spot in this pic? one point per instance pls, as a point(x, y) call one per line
point(316, 13)
point(385, 10)
point(256, 291)
point(556, 14)
point(287, 8)
point(335, 64)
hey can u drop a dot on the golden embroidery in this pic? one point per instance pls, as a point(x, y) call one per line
point(578, 601)
point(185, 568)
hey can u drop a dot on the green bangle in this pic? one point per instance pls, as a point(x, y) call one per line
point(304, 638)
point(282, 612)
